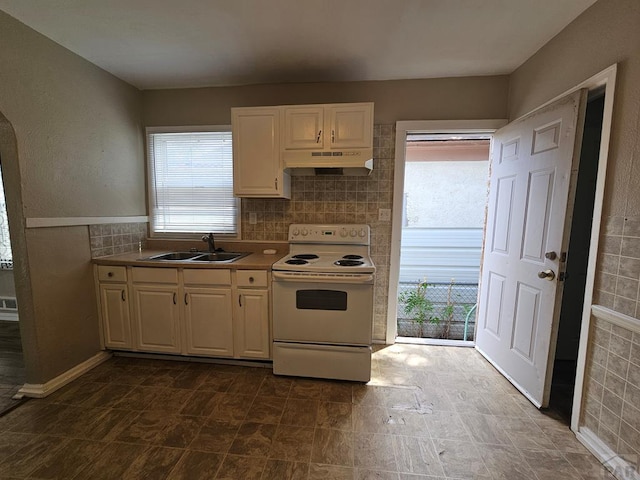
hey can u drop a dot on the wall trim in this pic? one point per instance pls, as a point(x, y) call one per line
point(616, 465)
point(617, 318)
point(75, 221)
point(41, 390)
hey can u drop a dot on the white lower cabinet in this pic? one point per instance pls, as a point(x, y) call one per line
point(186, 311)
point(113, 293)
point(156, 315)
point(115, 315)
point(252, 324)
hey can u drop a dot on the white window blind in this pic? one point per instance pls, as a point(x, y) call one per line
point(191, 183)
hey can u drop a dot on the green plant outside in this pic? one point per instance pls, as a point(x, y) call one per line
point(422, 310)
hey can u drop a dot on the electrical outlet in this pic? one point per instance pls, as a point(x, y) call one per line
point(253, 218)
point(384, 214)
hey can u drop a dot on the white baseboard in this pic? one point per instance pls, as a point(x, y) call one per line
point(619, 468)
point(41, 390)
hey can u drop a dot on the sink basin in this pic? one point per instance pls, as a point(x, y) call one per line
point(219, 257)
point(175, 256)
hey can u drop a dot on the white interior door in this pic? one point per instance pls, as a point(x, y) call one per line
point(529, 206)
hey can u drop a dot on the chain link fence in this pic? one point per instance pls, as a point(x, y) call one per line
point(437, 310)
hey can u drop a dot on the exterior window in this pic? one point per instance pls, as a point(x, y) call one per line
point(191, 182)
point(6, 257)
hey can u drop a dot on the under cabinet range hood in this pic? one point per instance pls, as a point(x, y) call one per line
point(352, 161)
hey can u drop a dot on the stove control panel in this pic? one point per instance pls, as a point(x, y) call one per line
point(340, 234)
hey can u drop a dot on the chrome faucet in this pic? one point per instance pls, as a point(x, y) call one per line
point(210, 240)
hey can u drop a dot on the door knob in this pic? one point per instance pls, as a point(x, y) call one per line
point(547, 274)
point(551, 255)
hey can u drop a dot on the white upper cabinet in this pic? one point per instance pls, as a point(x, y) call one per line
point(303, 127)
point(257, 162)
point(328, 127)
point(351, 125)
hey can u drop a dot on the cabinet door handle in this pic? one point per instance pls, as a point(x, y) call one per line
point(333, 136)
point(175, 298)
point(122, 295)
point(276, 181)
point(110, 274)
point(186, 299)
point(318, 139)
point(240, 300)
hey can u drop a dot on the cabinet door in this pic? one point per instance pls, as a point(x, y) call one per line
point(115, 315)
point(208, 321)
point(257, 167)
point(157, 318)
point(351, 126)
point(253, 339)
point(303, 128)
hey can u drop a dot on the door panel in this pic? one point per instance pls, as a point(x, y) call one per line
point(532, 161)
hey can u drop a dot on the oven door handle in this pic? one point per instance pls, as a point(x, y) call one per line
point(363, 279)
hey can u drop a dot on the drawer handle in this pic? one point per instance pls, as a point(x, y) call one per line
point(122, 295)
point(110, 274)
point(250, 279)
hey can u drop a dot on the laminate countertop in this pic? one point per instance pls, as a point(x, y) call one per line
point(253, 261)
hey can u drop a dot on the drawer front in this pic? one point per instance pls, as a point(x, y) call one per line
point(154, 275)
point(108, 273)
point(207, 277)
point(251, 278)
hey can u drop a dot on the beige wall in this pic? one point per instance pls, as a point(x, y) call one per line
point(7, 285)
point(77, 151)
point(430, 99)
point(605, 34)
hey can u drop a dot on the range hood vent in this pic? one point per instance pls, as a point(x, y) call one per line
point(348, 162)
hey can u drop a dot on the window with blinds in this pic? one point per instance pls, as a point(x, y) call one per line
point(191, 182)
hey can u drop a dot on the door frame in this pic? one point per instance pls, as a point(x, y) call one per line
point(402, 129)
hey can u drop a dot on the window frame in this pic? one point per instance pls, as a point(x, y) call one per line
point(150, 183)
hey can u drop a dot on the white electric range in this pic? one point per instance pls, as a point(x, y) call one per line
point(323, 303)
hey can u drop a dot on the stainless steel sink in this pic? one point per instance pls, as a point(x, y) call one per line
point(219, 257)
point(175, 256)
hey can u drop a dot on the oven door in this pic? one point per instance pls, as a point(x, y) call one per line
point(322, 308)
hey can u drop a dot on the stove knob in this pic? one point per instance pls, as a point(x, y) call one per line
point(362, 232)
point(305, 232)
point(296, 232)
point(353, 233)
point(343, 232)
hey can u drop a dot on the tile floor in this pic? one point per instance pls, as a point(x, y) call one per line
point(429, 413)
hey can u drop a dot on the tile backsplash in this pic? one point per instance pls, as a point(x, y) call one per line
point(618, 274)
point(112, 238)
point(612, 393)
point(339, 199)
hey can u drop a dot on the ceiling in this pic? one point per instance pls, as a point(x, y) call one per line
point(155, 44)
